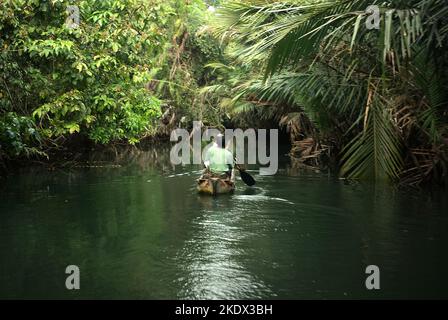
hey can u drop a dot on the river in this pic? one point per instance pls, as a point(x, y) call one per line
point(137, 229)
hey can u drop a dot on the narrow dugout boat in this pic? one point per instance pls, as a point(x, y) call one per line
point(213, 184)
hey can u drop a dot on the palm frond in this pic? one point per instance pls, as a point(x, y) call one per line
point(376, 152)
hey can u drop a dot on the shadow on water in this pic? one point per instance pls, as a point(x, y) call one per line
point(138, 229)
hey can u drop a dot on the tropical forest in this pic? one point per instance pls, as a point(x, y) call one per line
point(92, 91)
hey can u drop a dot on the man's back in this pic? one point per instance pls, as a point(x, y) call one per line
point(219, 159)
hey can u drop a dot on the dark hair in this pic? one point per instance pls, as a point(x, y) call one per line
point(220, 140)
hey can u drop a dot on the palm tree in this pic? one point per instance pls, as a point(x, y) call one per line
point(383, 90)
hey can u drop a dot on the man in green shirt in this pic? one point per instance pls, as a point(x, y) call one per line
point(218, 159)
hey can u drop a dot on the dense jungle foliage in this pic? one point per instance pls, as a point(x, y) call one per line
point(372, 100)
point(107, 79)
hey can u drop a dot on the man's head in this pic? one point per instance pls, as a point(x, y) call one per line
point(220, 141)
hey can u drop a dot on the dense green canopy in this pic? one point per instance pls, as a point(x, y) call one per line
point(372, 100)
point(378, 97)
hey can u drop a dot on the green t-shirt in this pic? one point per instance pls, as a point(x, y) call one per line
point(218, 159)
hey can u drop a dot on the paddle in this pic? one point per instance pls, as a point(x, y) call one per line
point(246, 177)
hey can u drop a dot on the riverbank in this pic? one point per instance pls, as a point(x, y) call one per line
point(79, 151)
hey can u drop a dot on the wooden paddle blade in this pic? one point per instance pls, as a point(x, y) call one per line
point(247, 178)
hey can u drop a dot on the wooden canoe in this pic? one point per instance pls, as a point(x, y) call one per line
point(213, 185)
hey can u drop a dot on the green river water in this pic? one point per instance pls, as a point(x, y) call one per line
point(140, 231)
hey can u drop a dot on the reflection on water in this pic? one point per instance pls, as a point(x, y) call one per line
point(212, 260)
point(138, 229)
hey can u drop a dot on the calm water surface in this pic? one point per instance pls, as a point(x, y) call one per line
point(140, 231)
